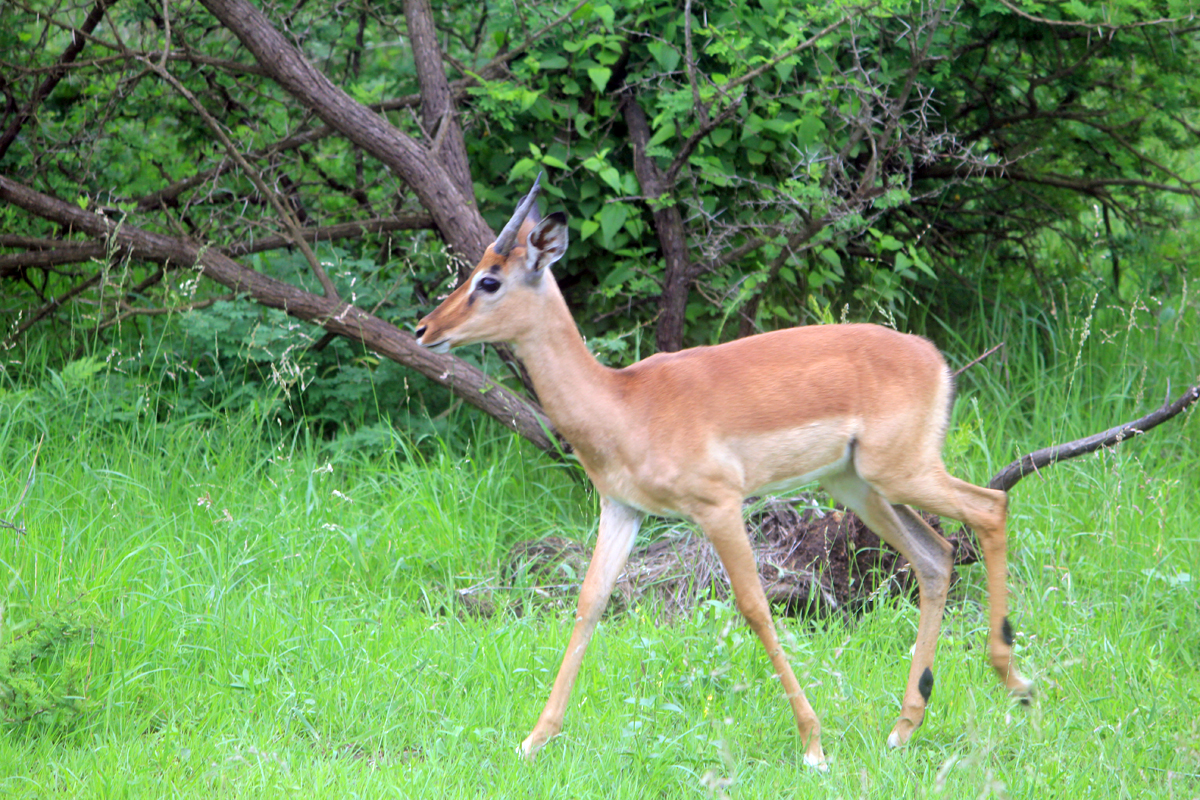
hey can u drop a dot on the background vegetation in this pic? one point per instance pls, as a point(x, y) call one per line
point(726, 170)
point(237, 514)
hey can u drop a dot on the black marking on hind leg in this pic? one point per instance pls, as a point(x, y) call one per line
point(1006, 632)
point(925, 684)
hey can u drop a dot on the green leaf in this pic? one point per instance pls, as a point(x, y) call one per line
point(662, 134)
point(809, 131)
point(610, 176)
point(606, 15)
point(666, 55)
point(920, 263)
point(752, 126)
point(587, 228)
point(522, 168)
point(612, 219)
point(600, 77)
point(831, 257)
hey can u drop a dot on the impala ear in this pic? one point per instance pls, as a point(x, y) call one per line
point(546, 243)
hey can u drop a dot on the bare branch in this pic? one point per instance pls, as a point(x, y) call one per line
point(56, 252)
point(456, 217)
point(285, 214)
point(1006, 478)
point(49, 308)
point(12, 512)
point(1091, 25)
point(976, 360)
point(499, 61)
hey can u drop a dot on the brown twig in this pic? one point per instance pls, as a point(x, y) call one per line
point(52, 79)
point(1082, 24)
point(967, 366)
point(49, 308)
point(286, 216)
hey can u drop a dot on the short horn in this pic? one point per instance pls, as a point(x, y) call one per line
point(508, 236)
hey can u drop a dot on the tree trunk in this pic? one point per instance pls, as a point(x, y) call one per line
point(668, 223)
point(454, 214)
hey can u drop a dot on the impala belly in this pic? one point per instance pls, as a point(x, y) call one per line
point(783, 461)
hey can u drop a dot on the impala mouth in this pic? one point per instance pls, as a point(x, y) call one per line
point(438, 347)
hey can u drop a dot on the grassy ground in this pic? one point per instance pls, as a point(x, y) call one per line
point(223, 618)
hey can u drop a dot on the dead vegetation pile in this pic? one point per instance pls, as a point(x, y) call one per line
point(811, 561)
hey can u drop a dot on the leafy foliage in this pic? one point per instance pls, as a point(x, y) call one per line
point(45, 663)
point(824, 162)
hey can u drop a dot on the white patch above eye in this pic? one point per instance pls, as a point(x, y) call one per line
point(477, 278)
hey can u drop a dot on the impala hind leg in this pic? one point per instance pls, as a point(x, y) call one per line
point(724, 527)
point(931, 558)
point(985, 511)
point(618, 527)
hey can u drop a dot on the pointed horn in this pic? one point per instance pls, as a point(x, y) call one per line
point(508, 236)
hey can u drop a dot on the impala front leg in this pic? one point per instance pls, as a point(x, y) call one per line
point(618, 527)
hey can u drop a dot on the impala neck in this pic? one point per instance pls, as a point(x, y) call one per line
point(576, 391)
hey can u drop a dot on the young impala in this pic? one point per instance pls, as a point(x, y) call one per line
point(860, 408)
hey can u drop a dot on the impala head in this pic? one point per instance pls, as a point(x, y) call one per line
point(499, 301)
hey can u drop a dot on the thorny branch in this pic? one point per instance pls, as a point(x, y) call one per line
point(1110, 26)
point(56, 74)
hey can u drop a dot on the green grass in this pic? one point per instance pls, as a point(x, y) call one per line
point(262, 620)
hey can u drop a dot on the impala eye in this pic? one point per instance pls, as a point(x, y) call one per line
point(488, 284)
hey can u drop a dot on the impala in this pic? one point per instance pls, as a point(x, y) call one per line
point(860, 408)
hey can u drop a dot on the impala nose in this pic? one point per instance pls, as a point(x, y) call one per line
point(420, 332)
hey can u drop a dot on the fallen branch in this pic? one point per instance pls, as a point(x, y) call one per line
point(1006, 478)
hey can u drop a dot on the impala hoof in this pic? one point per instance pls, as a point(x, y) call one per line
point(533, 743)
point(901, 733)
point(816, 761)
point(1021, 688)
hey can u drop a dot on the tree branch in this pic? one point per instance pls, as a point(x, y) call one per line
point(456, 217)
point(437, 101)
point(1089, 25)
point(1006, 478)
point(337, 317)
point(54, 252)
point(285, 213)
